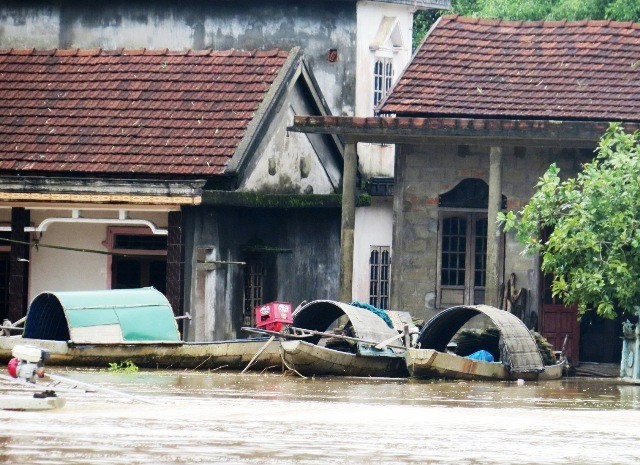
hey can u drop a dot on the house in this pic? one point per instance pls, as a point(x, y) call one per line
point(224, 212)
point(482, 110)
point(119, 170)
point(356, 49)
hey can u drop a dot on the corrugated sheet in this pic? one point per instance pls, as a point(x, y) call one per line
point(319, 314)
point(118, 315)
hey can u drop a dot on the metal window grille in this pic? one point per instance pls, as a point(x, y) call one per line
point(379, 261)
point(454, 251)
point(480, 262)
point(382, 79)
point(253, 290)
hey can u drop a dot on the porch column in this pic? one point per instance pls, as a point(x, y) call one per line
point(18, 264)
point(175, 263)
point(349, 176)
point(493, 231)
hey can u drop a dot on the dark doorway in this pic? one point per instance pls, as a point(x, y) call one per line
point(601, 339)
point(4, 285)
point(130, 273)
point(139, 258)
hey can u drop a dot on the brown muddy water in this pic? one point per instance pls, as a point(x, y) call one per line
point(228, 418)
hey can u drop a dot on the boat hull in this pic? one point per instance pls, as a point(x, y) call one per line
point(27, 402)
point(232, 355)
point(432, 364)
point(310, 359)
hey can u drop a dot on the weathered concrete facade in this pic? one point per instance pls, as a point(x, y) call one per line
point(297, 265)
point(317, 26)
point(426, 171)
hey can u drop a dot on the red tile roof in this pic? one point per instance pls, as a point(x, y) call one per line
point(142, 112)
point(469, 67)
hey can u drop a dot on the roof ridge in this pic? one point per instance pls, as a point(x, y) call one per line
point(540, 23)
point(80, 52)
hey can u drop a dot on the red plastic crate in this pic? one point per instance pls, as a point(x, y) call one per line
point(273, 316)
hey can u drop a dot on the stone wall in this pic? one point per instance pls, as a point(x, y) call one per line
point(423, 172)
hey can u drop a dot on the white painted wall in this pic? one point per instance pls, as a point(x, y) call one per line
point(62, 270)
point(374, 224)
point(374, 227)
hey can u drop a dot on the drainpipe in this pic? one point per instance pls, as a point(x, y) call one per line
point(349, 177)
point(493, 231)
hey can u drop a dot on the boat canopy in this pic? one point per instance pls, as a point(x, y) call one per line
point(101, 317)
point(320, 314)
point(520, 352)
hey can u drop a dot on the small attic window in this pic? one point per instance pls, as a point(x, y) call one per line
point(382, 79)
point(384, 47)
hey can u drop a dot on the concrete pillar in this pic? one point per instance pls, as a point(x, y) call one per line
point(493, 231)
point(349, 177)
point(19, 264)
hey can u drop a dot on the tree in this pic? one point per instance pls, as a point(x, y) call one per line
point(593, 248)
point(531, 10)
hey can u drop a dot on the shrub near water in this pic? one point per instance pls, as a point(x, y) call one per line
point(123, 367)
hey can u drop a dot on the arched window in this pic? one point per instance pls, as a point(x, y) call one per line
point(382, 79)
point(462, 244)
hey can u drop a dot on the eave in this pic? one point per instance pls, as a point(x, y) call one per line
point(408, 130)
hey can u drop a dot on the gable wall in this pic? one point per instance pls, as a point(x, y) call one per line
point(292, 162)
point(423, 172)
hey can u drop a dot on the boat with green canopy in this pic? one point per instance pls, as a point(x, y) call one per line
point(96, 328)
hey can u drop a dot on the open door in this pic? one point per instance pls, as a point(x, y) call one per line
point(558, 321)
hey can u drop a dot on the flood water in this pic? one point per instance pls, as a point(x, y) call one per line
point(202, 418)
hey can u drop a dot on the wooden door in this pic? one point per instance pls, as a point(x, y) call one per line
point(558, 321)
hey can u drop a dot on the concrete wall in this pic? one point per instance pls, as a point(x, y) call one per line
point(308, 270)
point(63, 270)
point(291, 162)
point(317, 26)
point(374, 226)
point(426, 171)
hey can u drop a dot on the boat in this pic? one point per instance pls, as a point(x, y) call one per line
point(30, 402)
point(318, 345)
point(99, 328)
point(519, 355)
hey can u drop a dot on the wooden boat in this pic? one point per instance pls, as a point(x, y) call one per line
point(311, 359)
point(520, 356)
point(311, 356)
point(429, 363)
point(96, 328)
point(29, 402)
point(231, 355)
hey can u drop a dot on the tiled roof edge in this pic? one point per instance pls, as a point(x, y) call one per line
point(544, 23)
point(143, 51)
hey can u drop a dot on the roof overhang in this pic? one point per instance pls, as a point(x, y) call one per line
point(399, 130)
point(40, 189)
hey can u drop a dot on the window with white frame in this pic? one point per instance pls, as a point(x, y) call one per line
point(382, 79)
point(379, 261)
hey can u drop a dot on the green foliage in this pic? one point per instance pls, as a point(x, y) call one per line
point(123, 367)
point(593, 249)
point(531, 10)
